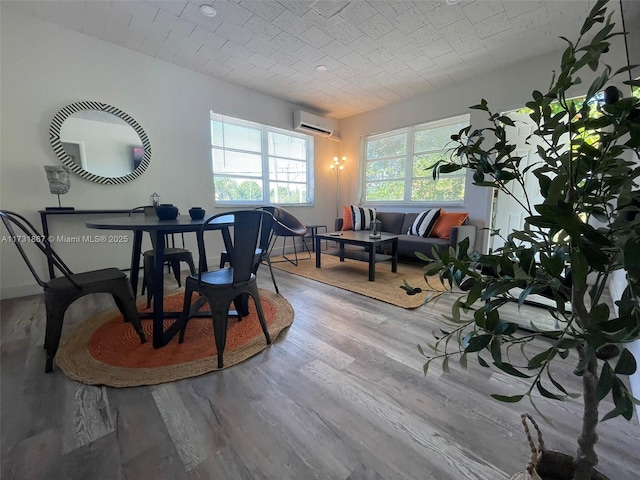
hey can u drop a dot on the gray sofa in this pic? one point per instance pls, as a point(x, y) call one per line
point(399, 223)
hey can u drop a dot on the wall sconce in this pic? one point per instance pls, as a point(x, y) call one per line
point(337, 166)
point(154, 199)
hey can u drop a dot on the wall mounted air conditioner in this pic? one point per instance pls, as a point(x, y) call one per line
point(313, 124)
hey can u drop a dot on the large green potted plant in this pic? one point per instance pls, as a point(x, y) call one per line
point(587, 227)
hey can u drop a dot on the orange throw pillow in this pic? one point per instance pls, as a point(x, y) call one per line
point(445, 221)
point(347, 219)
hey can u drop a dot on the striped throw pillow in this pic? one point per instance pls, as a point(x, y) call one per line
point(362, 217)
point(424, 222)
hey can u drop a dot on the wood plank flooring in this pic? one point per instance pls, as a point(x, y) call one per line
point(340, 395)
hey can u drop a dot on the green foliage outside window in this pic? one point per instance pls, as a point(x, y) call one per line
point(387, 146)
point(397, 165)
point(385, 191)
point(386, 169)
point(237, 189)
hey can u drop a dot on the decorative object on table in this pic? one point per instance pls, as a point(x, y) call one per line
point(585, 176)
point(154, 199)
point(375, 229)
point(167, 211)
point(59, 179)
point(338, 166)
point(100, 351)
point(61, 292)
point(196, 213)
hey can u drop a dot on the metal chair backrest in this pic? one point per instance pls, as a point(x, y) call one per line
point(268, 230)
point(288, 225)
point(27, 233)
point(248, 227)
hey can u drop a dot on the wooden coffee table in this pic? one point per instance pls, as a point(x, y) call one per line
point(360, 238)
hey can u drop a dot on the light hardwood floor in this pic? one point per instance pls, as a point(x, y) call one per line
point(340, 395)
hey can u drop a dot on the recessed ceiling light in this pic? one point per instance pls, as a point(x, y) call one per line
point(451, 2)
point(321, 68)
point(208, 10)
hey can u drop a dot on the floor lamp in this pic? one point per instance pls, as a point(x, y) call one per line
point(337, 166)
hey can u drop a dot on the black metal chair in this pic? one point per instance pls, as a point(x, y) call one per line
point(61, 292)
point(288, 226)
point(172, 254)
point(222, 287)
point(262, 252)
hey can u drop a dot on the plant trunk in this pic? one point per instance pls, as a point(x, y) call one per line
point(586, 458)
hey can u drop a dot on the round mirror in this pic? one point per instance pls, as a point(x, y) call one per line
point(100, 143)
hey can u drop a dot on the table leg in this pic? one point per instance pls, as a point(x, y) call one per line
point(158, 290)
point(318, 252)
point(394, 255)
point(372, 263)
point(314, 231)
point(135, 260)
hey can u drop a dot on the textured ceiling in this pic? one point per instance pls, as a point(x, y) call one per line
point(376, 52)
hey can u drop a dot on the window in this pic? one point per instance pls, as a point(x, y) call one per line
point(396, 165)
point(257, 164)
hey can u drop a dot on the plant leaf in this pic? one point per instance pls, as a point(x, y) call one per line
point(511, 370)
point(626, 364)
point(605, 382)
point(508, 399)
point(546, 393)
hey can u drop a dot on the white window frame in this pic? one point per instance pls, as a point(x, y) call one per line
point(264, 153)
point(410, 133)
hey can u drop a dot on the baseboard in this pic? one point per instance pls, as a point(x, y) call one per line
point(16, 291)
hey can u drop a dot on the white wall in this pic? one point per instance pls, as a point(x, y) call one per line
point(45, 67)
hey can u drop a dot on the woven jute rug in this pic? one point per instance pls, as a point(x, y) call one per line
point(353, 275)
point(105, 350)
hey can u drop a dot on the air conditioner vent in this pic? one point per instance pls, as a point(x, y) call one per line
point(313, 124)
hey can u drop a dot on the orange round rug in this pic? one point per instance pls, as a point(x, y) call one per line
point(105, 350)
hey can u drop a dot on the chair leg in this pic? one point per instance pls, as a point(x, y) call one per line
point(263, 323)
point(241, 304)
point(224, 258)
point(306, 247)
point(127, 307)
point(55, 317)
point(273, 278)
point(144, 284)
point(148, 275)
point(220, 319)
point(192, 266)
point(295, 251)
point(184, 318)
point(175, 266)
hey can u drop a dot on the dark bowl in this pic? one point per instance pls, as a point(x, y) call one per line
point(196, 213)
point(167, 212)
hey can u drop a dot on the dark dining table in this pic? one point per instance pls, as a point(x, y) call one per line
point(138, 224)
